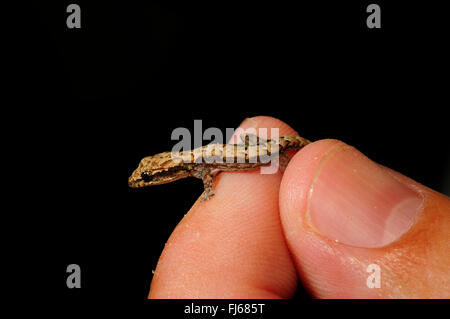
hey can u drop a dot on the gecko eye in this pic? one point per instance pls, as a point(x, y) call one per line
point(145, 177)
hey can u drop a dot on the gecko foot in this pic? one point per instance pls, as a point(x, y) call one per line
point(206, 195)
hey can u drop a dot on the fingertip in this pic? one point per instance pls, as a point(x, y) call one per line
point(342, 213)
point(298, 177)
point(230, 246)
point(261, 121)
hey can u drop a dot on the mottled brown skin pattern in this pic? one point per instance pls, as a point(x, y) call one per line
point(202, 162)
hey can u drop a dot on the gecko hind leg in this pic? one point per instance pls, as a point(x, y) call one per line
point(284, 161)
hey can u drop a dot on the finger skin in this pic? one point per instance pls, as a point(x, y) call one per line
point(414, 266)
point(232, 245)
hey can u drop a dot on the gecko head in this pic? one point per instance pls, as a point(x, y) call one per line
point(156, 170)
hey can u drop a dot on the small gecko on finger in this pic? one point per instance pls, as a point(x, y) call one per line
point(204, 161)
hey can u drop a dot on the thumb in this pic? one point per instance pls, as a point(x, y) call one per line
point(359, 230)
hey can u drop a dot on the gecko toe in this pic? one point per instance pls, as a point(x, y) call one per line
point(206, 196)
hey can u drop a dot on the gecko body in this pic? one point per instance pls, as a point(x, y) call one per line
point(203, 162)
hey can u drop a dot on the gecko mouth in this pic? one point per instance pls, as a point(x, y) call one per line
point(135, 183)
point(148, 179)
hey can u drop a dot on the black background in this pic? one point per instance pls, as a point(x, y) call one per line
point(102, 97)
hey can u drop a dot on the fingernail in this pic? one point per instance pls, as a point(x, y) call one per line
point(355, 201)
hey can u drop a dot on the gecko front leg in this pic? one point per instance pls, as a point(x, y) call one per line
point(205, 174)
